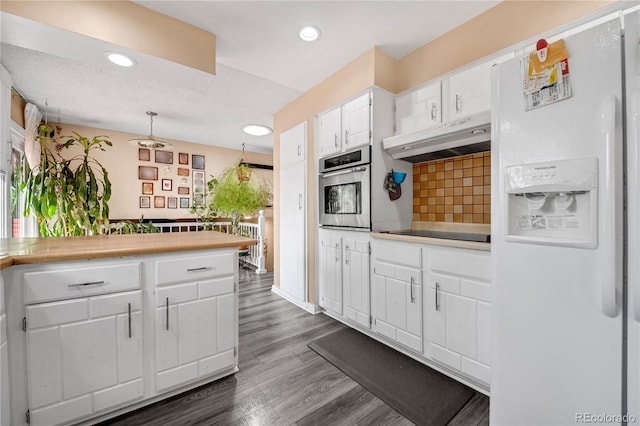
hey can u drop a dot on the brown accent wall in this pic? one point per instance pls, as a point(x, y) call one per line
point(455, 189)
point(504, 25)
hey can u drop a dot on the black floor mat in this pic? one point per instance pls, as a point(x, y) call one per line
point(421, 394)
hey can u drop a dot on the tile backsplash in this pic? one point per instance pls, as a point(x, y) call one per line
point(456, 189)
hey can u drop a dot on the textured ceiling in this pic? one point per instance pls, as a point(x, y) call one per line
point(262, 65)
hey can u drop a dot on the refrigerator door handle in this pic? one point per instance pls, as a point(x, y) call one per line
point(608, 219)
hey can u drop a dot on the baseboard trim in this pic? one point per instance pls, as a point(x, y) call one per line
point(309, 307)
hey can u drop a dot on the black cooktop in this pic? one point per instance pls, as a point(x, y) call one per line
point(461, 236)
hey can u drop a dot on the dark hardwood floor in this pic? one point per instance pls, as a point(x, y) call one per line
point(281, 381)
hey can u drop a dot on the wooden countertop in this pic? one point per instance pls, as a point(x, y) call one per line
point(42, 250)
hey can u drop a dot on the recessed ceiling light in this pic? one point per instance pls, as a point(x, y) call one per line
point(310, 33)
point(120, 59)
point(257, 130)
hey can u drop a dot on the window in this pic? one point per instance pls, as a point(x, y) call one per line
point(4, 206)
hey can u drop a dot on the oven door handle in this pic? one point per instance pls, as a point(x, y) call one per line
point(345, 171)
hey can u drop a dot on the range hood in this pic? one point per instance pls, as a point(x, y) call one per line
point(465, 136)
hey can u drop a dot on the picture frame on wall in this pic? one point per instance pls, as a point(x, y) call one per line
point(183, 172)
point(197, 161)
point(184, 202)
point(183, 158)
point(183, 190)
point(158, 201)
point(145, 202)
point(147, 188)
point(167, 184)
point(144, 154)
point(164, 157)
point(147, 173)
point(198, 187)
point(172, 202)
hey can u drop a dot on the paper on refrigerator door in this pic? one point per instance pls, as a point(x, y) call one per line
point(546, 82)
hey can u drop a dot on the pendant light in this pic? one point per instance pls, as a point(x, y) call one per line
point(150, 142)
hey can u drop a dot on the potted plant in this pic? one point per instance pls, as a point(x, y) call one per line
point(229, 196)
point(68, 196)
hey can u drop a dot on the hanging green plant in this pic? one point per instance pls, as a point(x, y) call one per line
point(229, 197)
point(68, 196)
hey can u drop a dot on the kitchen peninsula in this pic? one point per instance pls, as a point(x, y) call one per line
point(100, 325)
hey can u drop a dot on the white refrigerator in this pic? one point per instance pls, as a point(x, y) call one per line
point(559, 231)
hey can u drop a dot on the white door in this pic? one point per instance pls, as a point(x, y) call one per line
point(293, 144)
point(550, 305)
point(83, 356)
point(396, 305)
point(331, 273)
point(470, 90)
point(356, 280)
point(632, 38)
point(330, 132)
point(293, 203)
point(356, 122)
point(195, 329)
point(419, 109)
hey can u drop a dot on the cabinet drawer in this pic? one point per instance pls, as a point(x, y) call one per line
point(398, 253)
point(194, 267)
point(399, 273)
point(461, 262)
point(42, 286)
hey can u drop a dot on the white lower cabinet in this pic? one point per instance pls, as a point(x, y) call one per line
point(355, 280)
point(84, 356)
point(330, 273)
point(195, 325)
point(344, 275)
point(396, 294)
point(86, 338)
point(458, 310)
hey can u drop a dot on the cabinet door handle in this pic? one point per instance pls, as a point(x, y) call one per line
point(437, 298)
point(299, 201)
point(202, 268)
point(129, 320)
point(299, 150)
point(411, 285)
point(335, 140)
point(86, 284)
point(337, 251)
point(346, 136)
point(347, 254)
point(458, 102)
point(434, 110)
point(167, 307)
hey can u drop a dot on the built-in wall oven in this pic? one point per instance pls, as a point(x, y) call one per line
point(345, 190)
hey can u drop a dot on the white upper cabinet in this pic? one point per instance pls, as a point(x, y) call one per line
point(345, 127)
point(469, 91)
point(330, 132)
point(419, 109)
point(293, 147)
point(356, 122)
